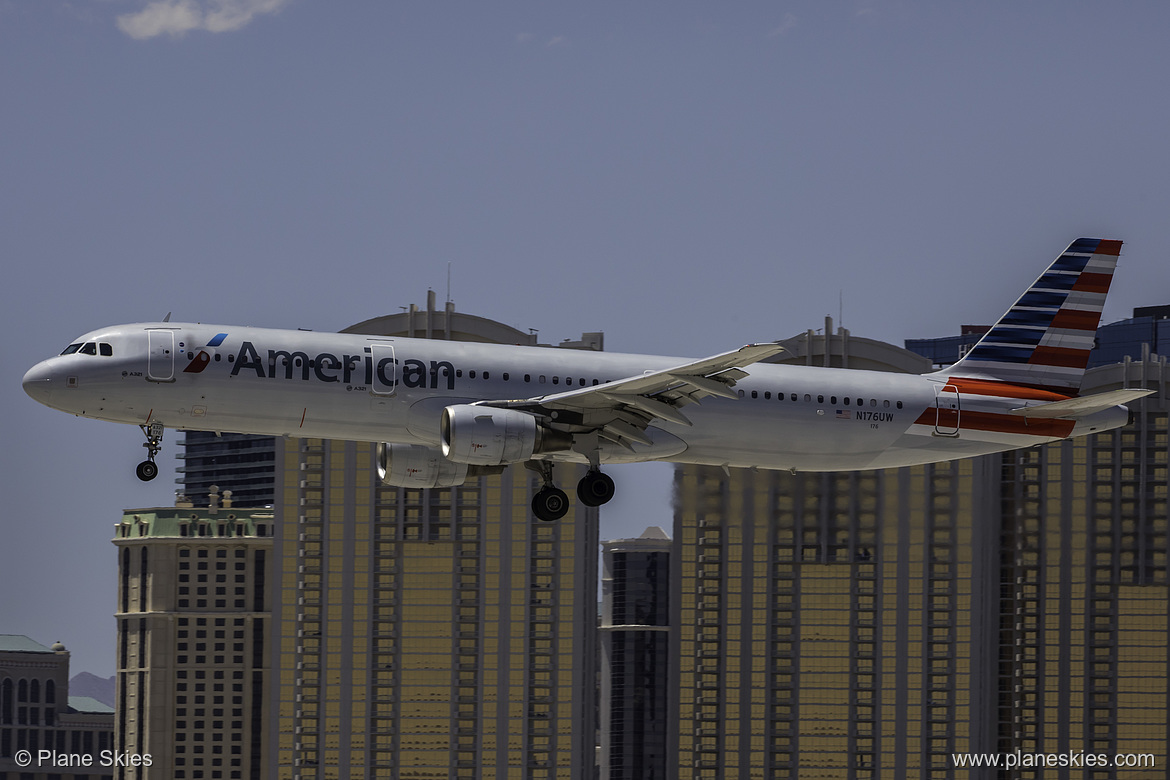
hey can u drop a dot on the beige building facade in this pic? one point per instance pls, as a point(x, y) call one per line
point(194, 623)
point(438, 633)
point(874, 624)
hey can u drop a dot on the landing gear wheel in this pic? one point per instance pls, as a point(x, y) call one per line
point(147, 470)
point(550, 503)
point(595, 489)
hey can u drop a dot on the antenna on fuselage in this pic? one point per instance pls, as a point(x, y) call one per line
point(167, 318)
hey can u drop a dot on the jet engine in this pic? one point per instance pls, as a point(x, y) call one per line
point(416, 466)
point(486, 436)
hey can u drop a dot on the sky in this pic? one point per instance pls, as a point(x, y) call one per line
point(687, 177)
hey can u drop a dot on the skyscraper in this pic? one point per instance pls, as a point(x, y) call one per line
point(636, 684)
point(430, 633)
point(194, 619)
point(871, 624)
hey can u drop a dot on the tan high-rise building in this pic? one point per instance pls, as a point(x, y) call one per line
point(440, 633)
point(1082, 641)
point(194, 619)
point(872, 624)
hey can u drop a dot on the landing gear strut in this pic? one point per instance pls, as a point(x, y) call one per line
point(147, 469)
point(550, 502)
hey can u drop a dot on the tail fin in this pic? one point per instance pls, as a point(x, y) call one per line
point(1043, 341)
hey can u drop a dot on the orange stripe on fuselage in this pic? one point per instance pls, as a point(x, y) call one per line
point(1010, 423)
point(1004, 423)
point(1003, 390)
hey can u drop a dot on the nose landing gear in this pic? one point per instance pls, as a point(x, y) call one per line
point(148, 469)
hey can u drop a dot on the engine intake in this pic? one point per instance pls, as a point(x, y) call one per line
point(416, 466)
point(485, 436)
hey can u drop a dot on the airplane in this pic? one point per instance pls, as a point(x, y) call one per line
point(440, 412)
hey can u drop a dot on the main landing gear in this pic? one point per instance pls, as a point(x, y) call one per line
point(595, 488)
point(148, 469)
point(550, 502)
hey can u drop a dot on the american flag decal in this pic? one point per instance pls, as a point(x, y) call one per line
point(844, 414)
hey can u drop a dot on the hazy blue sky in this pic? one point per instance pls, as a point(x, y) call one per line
point(685, 176)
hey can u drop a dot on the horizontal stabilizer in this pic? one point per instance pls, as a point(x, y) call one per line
point(1074, 408)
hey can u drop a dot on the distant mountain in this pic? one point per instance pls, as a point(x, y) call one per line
point(86, 684)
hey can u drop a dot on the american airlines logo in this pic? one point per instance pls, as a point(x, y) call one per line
point(348, 369)
point(200, 361)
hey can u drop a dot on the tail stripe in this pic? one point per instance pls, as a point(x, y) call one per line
point(1045, 338)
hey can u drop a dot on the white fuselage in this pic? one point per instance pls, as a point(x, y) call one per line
point(382, 389)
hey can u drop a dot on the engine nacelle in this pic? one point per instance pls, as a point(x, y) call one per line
point(486, 436)
point(416, 466)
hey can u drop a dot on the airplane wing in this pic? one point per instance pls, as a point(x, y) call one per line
point(1073, 408)
point(620, 411)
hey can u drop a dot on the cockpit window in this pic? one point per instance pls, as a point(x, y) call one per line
point(90, 348)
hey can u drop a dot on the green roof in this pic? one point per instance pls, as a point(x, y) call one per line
point(179, 521)
point(19, 643)
point(88, 704)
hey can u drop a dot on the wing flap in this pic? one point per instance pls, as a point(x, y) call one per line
point(621, 410)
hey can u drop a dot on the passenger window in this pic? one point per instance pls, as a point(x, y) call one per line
point(69, 350)
point(471, 374)
point(89, 348)
point(506, 377)
point(807, 397)
point(873, 402)
point(581, 381)
point(861, 402)
point(886, 404)
point(108, 351)
point(755, 394)
point(528, 377)
point(899, 404)
point(833, 400)
point(845, 400)
point(767, 395)
point(486, 375)
point(820, 399)
point(542, 379)
point(793, 396)
point(556, 380)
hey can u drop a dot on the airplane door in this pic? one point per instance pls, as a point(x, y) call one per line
point(947, 406)
point(160, 356)
point(385, 373)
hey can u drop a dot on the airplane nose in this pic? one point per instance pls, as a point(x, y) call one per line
point(38, 382)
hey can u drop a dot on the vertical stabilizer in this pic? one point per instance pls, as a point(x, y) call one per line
point(1043, 341)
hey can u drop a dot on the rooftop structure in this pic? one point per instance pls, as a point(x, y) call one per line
point(37, 713)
